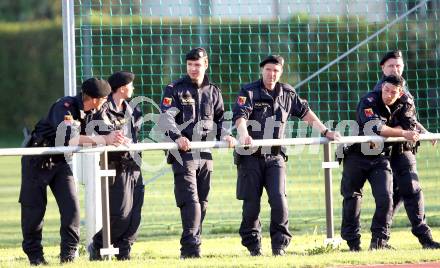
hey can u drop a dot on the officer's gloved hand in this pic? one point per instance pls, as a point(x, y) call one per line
point(183, 143)
point(231, 141)
point(333, 135)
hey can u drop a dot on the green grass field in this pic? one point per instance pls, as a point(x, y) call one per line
point(158, 243)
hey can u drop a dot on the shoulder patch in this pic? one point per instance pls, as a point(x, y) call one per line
point(251, 86)
point(370, 99)
point(66, 104)
point(68, 117)
point(368, 112)
point(167, 102)
point(171, 85)
point(241, 100)
point(287, 87)
point(215, 86)
point(69, 121)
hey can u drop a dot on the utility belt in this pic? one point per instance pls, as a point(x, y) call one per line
point(197, 134)
point(39, 141)
point(274, 150)
point(401, 147)
point(123, 160)
point(357, 149)
point(118, 156)
point(188, 155)
point(122, 164)
point(262, 152)
point(47, 162)
point(343, 150)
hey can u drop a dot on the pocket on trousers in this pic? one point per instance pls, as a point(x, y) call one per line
point(32, 193)
point(243, 184)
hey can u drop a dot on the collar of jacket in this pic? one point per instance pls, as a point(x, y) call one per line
point(80, 103)
point(264, 93)
point(205, 82)
point(113, 106)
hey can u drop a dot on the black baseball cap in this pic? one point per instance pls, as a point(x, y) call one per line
point(196, 54)
point(394, 54)
point(96, 88)
point(275, 59)
point(120, 79)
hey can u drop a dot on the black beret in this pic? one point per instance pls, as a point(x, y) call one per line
point(394, 54)
point(120, 79)
point(96, 88)
point(394, 80)
point(276, 59)
point(196, 54)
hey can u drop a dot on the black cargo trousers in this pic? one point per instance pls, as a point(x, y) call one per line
point(407, 190)
point(192, 182)
point(357, 169)
point(126, 197)
point(255, 172)
point(38, 172)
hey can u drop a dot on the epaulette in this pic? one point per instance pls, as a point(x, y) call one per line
point(288, 87)
point(407, 99)
point(252, 85)
point(67, 101)
point(217, 87)
point(176, 82)
point(371, 98)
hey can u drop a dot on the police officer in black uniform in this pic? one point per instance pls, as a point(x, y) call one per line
point(192, 110)
point(126, 192)
point(406, 187)
point(41, 171)
point(261, 112)
point(375, 114)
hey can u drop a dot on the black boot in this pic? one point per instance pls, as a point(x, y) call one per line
point(194, 255)
point(379, 243)
point(36, 261)
point(278, 252)
point(94, 254)
point(67, 259)
point(255, 252)
point(428, 242)
point(354, 245)
point(122, 257)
